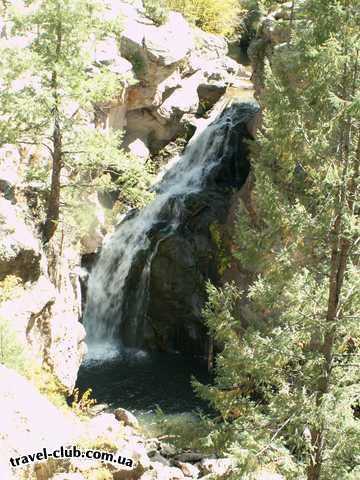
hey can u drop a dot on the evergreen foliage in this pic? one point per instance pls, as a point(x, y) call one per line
point(50, 84)
point(287, 379)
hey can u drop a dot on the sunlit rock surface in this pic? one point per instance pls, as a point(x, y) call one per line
point(19, 249)
point(44, 318)
point(168, 64)
point(29, 422)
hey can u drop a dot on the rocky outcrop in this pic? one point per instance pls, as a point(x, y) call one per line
point(19, 250)
point(29, 422)
point(171, 71)
point(44, 316)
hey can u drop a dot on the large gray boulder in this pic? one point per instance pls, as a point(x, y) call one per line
point(156, 44)
point(183, 100)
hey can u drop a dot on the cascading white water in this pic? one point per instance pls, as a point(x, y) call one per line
point(106, 287)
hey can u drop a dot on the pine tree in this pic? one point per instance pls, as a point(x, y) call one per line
point(287, 379)
point(49, 87)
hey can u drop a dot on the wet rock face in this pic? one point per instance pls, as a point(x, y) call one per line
point(179, 271)
point(186, 258)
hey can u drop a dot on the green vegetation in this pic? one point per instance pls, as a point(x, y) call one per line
point(11, 351)
point(287, 380)
point(184, 431)
point(49, 89)
point(156, 10)
point(214, 16)
point(221, 17)
point(82, 403)
point(137, 61)
point(223, 254)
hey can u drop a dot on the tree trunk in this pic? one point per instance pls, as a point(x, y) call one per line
point(53, 206)
point(339, 258)
point(341, 247)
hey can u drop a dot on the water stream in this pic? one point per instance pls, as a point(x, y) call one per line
point(135, 242)
point(116, 367)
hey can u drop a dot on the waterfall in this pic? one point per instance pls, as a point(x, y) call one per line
point(137, 238)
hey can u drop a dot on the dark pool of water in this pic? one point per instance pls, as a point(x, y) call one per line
point(141, 382)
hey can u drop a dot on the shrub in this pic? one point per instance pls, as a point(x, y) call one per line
point(11, 351)
point(184, 431)
point(156, 10)
point(82, 403)
point(215, 16)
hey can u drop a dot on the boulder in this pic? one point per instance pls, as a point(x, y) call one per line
point(154, 87)
point(104, 425)
point(157, 458)
point(139, 456)
point(156, 44)
point(19, 248)
point(106, 52)
point(152, 446)
point(149, 475)
point(26, 416)
point(126, 417)
point(167, 473)
point(183, 100)
point(138, 148)
point(220, 467)
point(208, 45)
point(167, 449)
point(188, 469)
point(162, 43)
point(144, 124)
